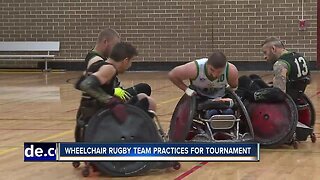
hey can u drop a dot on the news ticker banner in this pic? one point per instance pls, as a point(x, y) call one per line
point(141, 152)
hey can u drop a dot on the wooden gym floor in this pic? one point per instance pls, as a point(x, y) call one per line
point(41, 107)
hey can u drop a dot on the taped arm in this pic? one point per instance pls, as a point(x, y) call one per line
point(92, 83)
point(280, 70)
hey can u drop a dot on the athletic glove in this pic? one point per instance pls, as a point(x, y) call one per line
point(122, 94)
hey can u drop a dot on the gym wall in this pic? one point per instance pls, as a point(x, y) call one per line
point(162, 30)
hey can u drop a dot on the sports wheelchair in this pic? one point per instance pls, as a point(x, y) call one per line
point(123, 123)
point(269, 123)
point(189, 124)
point(306, 111)
point(295, 113)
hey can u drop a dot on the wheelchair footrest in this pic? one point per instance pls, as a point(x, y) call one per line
point(223, 121)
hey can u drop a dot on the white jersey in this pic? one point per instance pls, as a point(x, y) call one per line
point(206, 87)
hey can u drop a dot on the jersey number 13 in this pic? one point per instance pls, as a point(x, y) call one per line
point(301, 66)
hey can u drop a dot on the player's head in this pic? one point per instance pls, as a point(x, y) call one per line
point(216, 64)
point(107, 38)
point(123, 53)
point(272, 48)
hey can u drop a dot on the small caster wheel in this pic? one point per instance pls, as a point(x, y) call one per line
point(86, 172)
point(295, 144)
point(313, 138)
point(76, 164)
point(177, 166)
point(94, 168)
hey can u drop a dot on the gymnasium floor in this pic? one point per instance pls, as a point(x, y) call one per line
point(41, 107)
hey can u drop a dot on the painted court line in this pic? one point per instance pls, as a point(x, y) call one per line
point(192, 170)
point(3, 152)
point(317, 94)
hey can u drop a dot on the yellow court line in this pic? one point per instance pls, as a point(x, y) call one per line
point(2, 152)
point(6, 151)
point(56, 135)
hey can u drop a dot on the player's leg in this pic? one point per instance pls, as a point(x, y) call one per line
point(210, 113)
point(139, 88)
point(228, 111)
point(144, 102)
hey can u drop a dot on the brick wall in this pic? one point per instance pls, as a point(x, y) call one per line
point(162, 30)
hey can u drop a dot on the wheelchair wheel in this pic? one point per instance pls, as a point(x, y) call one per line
point(86, 171)
point(244, 115)
point(309, 106)
point(306, 117)
point(273, 123)
point(182, 119)
point(313, 138)
point(76, 164)
point(106, 127)
point(176, 166)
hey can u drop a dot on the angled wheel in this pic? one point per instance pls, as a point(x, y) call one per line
point(137, 126)
point(182, 119)
point(273, 123)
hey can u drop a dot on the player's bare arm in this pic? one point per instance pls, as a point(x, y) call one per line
point(280, 70)
point(233, 76)
point(183, 72)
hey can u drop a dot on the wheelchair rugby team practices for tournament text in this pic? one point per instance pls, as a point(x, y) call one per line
point(218, 106)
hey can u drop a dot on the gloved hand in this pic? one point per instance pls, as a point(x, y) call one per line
point(122, 94)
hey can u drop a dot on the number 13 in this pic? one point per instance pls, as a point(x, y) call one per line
point(304, 70)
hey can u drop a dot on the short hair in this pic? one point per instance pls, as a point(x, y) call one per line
point(274, 41)
point(108, 34)
point(217, 60)
point(123, 50)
